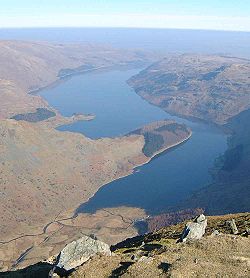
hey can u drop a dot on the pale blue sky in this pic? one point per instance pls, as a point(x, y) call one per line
point(190, 14)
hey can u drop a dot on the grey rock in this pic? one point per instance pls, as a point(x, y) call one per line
point(145, 259)
point(200, 218)
point(194, 230)
point(138, 254)
point(233, 226)
point(79, 251)
point(215, 233)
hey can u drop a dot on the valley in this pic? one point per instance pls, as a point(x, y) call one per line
point(67, 152)
point(211, 89)
point(124, 139)
point(46, 173)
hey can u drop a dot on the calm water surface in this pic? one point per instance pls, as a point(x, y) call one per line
point(117, 108)
point(164, 181)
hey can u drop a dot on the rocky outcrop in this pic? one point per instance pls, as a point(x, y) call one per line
point(233, 226)
point(158, 255)
point(79, 251)
point(218, 254)
point(194, 230)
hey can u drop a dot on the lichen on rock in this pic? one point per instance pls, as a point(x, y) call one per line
point(79, 251)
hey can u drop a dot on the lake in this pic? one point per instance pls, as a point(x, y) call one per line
point(168, 178)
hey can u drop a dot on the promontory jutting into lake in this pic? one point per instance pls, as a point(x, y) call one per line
point(124, 138)
point(169, 177)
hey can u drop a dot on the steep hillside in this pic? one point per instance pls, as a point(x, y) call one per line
point(215, 89)
point(27, 66)
point(211, 88)
point(230, 191)
point(161, 135)
point(46, 174)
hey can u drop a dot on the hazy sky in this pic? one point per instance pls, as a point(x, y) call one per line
point(188, 14)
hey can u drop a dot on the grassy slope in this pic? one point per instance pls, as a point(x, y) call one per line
point(159, 255)
point(213, 256)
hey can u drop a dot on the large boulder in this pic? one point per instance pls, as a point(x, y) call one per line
point(79, 251)
point(194, 230)
point(233, 226)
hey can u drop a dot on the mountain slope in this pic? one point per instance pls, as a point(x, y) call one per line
point(158, 255)
point(27, 66)
point(215, 89)
point(219, 253)
point(207, 87)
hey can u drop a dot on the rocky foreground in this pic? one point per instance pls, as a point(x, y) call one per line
point(214, 246)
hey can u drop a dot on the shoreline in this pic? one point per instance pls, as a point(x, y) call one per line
point(70, 75)
point(66, 77)
point(60, 79)
point(148, 160)
point(194, 119)
point(170, 147)
point(72, 212)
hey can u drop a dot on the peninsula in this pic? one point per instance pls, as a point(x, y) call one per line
point(46, 174)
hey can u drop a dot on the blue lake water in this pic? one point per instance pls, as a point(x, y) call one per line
point(107, 95)
point(164, 181)
point(171, 176)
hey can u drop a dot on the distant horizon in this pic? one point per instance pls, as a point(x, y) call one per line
point(114, 27)
point(223, 15)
